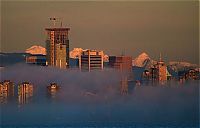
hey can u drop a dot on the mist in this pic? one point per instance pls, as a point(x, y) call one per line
point(88, 97)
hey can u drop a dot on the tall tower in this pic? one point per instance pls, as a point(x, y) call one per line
point(57, 46)
point(162, 70)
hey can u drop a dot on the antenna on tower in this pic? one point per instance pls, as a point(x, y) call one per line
point(160, 57)
point(55, 19)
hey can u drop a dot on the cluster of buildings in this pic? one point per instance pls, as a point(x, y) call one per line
point(7, 91)
point(157, 72)
point(57, 55)
point(24, 91)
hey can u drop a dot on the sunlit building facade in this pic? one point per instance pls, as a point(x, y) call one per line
point(159, 71)
point(57, 47)
point(91, 60)
point(25, 91)
point(6, 90)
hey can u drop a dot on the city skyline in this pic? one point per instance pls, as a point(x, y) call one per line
point(114, 27)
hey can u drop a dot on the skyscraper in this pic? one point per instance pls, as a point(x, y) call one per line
point(25, 91)
point(57, 47)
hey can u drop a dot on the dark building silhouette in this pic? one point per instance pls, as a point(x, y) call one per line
point(36, 59)
point(122, 63)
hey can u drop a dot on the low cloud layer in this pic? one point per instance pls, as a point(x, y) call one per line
point(95, 97)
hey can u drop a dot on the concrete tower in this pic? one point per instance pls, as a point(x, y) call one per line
point(162, 70)
point(57, 46)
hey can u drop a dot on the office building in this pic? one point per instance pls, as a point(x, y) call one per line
point(91, 60)
point(6, 90)
point(7, 87)
point(57, 47)
point(25, 91)
point(124, 65)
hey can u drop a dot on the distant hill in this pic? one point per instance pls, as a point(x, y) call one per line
point(7, 59)
point(143, 60)
point(35, 49)
point(180, 66)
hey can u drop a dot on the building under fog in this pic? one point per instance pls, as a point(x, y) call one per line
point(57, 47)
point(25, 91)
point(6, 90)
point(91, 60)
point(124, 65)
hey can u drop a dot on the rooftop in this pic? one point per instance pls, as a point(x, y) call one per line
point(57, 29)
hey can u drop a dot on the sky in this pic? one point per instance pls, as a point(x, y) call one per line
point(130, 27)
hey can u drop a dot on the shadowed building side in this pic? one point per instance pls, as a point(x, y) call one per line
point(121, 63)
point(124, 65)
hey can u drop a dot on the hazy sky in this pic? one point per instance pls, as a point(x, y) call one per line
point(134, 27)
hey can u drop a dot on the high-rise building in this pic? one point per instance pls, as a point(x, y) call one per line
point(159, 71)
point(162, 71)
point(91, 60)
point(6, 90)
point(57, 47)
point(124, 65)
point(25, 91)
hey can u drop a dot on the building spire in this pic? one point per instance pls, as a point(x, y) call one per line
point(160, 57)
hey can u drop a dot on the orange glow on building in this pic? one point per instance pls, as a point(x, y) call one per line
point(57, 47)
point(6, 90)
point(91, 60)
point(25, 91)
